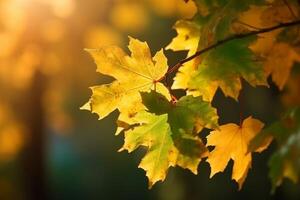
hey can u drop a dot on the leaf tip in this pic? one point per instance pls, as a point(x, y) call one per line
point(132, 39)
point(212, 173)
point(86, 106)
point(194, 171)
point(150, 184)
point(121, 149)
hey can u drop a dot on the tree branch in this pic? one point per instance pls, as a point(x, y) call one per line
point(231, 38)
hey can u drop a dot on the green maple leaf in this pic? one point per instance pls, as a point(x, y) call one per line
point(234, 60)
point(217, 16)
point(224, 66)
point(285, 161)
point(170, 133)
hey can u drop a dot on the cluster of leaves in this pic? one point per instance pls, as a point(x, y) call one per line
point(226, 41)
point(285, 162)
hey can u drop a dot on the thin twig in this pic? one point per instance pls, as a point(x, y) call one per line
point(231, 38)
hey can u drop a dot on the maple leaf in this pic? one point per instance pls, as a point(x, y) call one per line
point(201, 76)
point(279, 63)
point(279, 11)
point(188, 35)
point(261, 141)
point(285, 161)
point(279, 59)
point(170, 133)
point(252, 20)
point(278, 56)
point(133, 74)
point(223, 67)
point(155, 133)
point(187, 112)
point(217, 16)
point(292, 95)
point(231, 142)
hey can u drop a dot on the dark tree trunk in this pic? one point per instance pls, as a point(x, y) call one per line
point(33, 157)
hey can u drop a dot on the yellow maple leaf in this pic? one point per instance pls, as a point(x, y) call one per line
point(231, 142)
point(279, 11)
point(188, 36)
point(187, 39)
point(278, 57)
point(136, 73)
point(280, 62)
point(291, 97)
point(252, 20)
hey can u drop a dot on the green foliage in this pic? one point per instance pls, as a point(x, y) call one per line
point(285, 162)
point(216, 17)
point(224, 66)
point(170, 133)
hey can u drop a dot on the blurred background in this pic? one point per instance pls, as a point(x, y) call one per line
point(49, 149)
